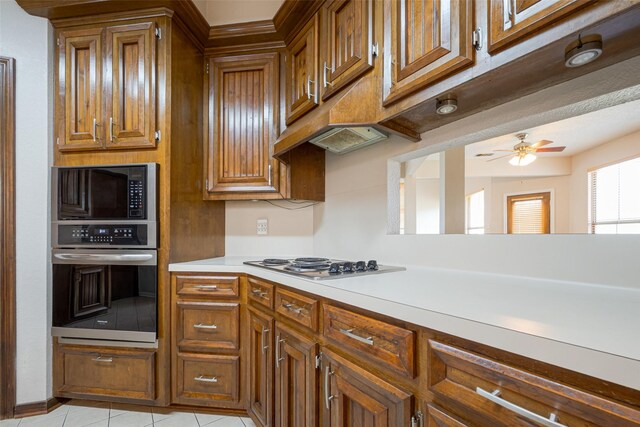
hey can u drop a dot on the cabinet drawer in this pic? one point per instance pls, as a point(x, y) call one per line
point(373, 339)
point(260, 293)
point(107, 372)
point(201, 286)
point(503, 395)
point(298, 308)
point(437, 417)
point(205, 326)
point(208, 380)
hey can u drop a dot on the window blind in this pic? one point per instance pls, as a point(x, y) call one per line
point(529, 213)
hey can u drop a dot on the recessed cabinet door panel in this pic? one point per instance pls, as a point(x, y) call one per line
point(243, 117)
point(428, 39)
point(260, 368)
point(349, 40)
point(302, 72)
point(80, 90)
point(130, 88)
point(513, 20)
point(355, 397)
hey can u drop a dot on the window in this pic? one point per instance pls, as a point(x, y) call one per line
point(614, 205)
point(402, 211)
point(529, 213)
point(475, 213)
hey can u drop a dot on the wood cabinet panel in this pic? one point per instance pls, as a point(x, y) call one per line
point(203, 286)
point(131, 85)
point(206, 326)
point(353, 397)
point(80, 89)
point(208, 380)
point(96, 371)
point(260, 293)
point(300, 309)
point(348, 38)
point(460, 376)
point(511, 21)
point(391, 346)
point(296, 392)
point(425, 41)
point(301, 76)
point(243, 124)
point(437, 417)
point(260, 365)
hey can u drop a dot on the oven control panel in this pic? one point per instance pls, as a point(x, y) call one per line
point(117, 235)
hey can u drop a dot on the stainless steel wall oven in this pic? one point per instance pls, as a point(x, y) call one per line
point(104, 256)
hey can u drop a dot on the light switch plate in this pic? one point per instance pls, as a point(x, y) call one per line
point(262, 227)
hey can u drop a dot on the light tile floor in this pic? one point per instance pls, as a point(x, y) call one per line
point(83, 413)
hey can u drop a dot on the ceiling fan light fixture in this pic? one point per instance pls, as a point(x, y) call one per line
point(446, 106)
point(522, 160)
point(583, 51)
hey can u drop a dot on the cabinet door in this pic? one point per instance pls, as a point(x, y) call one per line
point(243, 124)
point(130, 86)
point(260, 368)
point(296, 385)
point(302, 72)
point(79, 107)
point(425, 41)
point(349, 43)
point(513, 20)
point(352, 396)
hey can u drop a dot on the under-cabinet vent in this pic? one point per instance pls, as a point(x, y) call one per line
point(343, 140)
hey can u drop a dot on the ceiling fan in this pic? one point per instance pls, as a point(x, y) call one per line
point(523, 151)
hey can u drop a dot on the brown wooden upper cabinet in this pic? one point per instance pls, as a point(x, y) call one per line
point(512, 20)
point(348, 44)
point(301, 76)
point(425, 41)
point(243, 126)
point(106, 87)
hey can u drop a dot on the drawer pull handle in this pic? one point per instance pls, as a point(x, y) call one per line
point(259, 293)
point(278, 358)
point(292, 308)
point(103, 359)
point(328, 397)
point(350, 334)
point(204, 379)
point(201, 326)
point(264, 347)
point(207, 287)
point(495, 398)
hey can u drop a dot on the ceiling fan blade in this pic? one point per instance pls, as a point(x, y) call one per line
point(501, 157)
point(549, 149)
point(541, 143)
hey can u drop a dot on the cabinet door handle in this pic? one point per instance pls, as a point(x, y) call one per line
point(328, 397)
point(110, 129)
point(201, 326)
point(309, 83)
point(259, 293)
point(270, 173)
point(292, 308)
point(350, 334)
point(103, 359)
point(278, 352)
point(495, 398)
point(208, 288)
point(204, 379)
point(509, 16)
point(264, 347)
point(324, 75)
point(95, 130)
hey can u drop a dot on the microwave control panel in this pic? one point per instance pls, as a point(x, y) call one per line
point(102, 235)
point(136, 198)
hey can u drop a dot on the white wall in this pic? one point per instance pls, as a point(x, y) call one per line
point(290, 228)
point(27, 39)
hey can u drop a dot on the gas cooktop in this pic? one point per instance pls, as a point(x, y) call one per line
point(323, 268)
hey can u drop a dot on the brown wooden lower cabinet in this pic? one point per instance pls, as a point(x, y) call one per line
point(208, 380)
point(98, 372)
point(437, 417)
point(260, 365)
point(296, 385)
point(353, 397)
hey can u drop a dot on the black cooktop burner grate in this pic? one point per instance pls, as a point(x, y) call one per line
point(275, 261)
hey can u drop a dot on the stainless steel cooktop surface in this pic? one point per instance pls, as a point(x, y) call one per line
point(323, 268)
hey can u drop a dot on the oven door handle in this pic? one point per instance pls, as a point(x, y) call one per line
point(104, 257)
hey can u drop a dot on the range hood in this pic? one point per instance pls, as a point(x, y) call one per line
point(343, 140)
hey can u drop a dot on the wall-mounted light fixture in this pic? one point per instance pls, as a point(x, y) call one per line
point(446, 106)
point(584, 50)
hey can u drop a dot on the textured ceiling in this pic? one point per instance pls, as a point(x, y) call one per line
point(221, 12)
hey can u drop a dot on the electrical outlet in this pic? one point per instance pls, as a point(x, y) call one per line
point(262, 226)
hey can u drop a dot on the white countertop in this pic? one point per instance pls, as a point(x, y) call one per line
point(593, 329)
